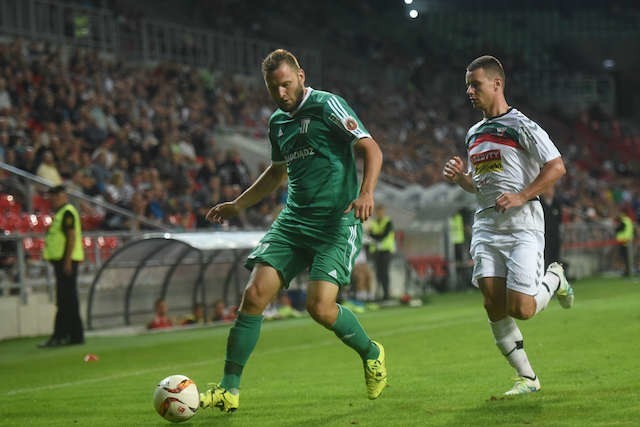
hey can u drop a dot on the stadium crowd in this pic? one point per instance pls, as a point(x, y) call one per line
point(143, 138)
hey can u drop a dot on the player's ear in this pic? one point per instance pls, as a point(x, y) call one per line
point(301, 75)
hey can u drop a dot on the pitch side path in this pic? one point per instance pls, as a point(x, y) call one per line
point(444, 370)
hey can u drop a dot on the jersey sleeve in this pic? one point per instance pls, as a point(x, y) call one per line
point(537, 142)
point(276, 154)
point(339, 116)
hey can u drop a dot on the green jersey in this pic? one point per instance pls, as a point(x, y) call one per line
point(316, 142)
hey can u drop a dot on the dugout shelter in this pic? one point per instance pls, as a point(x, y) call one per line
point(182, 268)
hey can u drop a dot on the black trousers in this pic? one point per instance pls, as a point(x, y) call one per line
point(382, 261)
point(68, 324)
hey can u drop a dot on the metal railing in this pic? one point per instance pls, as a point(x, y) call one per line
point(145, 40)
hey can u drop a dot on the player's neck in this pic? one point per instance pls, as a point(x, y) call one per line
point(498, 108)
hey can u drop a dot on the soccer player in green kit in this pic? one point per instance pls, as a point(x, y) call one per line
point(313, 137)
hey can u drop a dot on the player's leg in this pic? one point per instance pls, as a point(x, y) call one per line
point(322, 306)
point(529, 289)
point(489, 274)
point(505, 331)
point(333, 261)
point(264, 284)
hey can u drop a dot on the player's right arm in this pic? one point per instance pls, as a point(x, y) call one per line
point(266, 183)
point(454, 171)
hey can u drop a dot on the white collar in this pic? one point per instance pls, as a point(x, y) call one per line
point(304, 99)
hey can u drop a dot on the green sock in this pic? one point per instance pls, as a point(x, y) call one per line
point(350, 331)
point(242, 339)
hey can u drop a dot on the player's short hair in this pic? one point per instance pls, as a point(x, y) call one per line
point(277, 57)
point(490, 64)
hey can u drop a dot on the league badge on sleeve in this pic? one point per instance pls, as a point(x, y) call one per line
point(350, 124)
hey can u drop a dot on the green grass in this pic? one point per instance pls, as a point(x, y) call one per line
point(443, 367)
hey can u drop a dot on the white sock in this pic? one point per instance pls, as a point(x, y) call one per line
point(546, 289)
point(509, 340)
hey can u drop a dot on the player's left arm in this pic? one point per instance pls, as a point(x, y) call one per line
point(341, 117)
point(370, 151)
point(540, 147)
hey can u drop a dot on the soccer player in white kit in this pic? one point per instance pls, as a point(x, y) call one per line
point(511, 161)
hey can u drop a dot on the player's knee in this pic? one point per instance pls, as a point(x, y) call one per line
point(255, 299)
point(522, 312)
point(321, 313)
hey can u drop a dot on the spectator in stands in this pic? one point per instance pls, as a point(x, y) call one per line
point(222, 313)
point(63, 248)
point(234, 171)
point(48, 169)
point(196, 317)
point(382, 247)
point(161, 318)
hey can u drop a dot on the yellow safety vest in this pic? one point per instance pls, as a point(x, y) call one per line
point(55, 239)
point(456, 227)
point(389, 242)
point(626, 234)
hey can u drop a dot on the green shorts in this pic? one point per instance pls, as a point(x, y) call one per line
point(291, 248)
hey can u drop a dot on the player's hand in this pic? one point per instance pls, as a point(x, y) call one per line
point(222, 211)
point(509, 200)
point(362, 207)
point(453, 169)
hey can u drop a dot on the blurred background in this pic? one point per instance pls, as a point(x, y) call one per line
point(153, 111)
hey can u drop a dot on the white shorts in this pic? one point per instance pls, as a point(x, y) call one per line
point(516, 255)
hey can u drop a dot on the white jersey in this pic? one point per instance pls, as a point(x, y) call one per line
point(505, 155)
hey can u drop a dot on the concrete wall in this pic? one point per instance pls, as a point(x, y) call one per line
point(20, 320)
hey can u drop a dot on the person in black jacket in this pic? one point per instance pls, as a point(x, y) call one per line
point(552, 220)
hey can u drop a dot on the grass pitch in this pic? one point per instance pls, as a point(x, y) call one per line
point(444, 370)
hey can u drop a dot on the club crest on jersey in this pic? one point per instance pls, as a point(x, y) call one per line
point(304, 126)
point(487, 161)
point(280, 133)
point(350, 124)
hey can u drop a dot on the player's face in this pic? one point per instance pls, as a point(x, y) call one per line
point(286, 86)
point(482, 89)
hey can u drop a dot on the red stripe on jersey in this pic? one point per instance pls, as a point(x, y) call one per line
point(503, 140)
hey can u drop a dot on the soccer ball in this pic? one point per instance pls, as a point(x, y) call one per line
point(176, 398)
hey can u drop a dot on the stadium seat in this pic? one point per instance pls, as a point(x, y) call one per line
point(33, 247)
point(89, 249)
point(428, 267)
point(40, 204)
point(8, 203)
point(107, 245)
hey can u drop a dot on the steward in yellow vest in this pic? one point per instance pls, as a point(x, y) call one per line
point(65, 224)
point(382, 247)
point(624, 237)
point(63, 248)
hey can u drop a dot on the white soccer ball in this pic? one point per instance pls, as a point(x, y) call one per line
point(176, 398)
